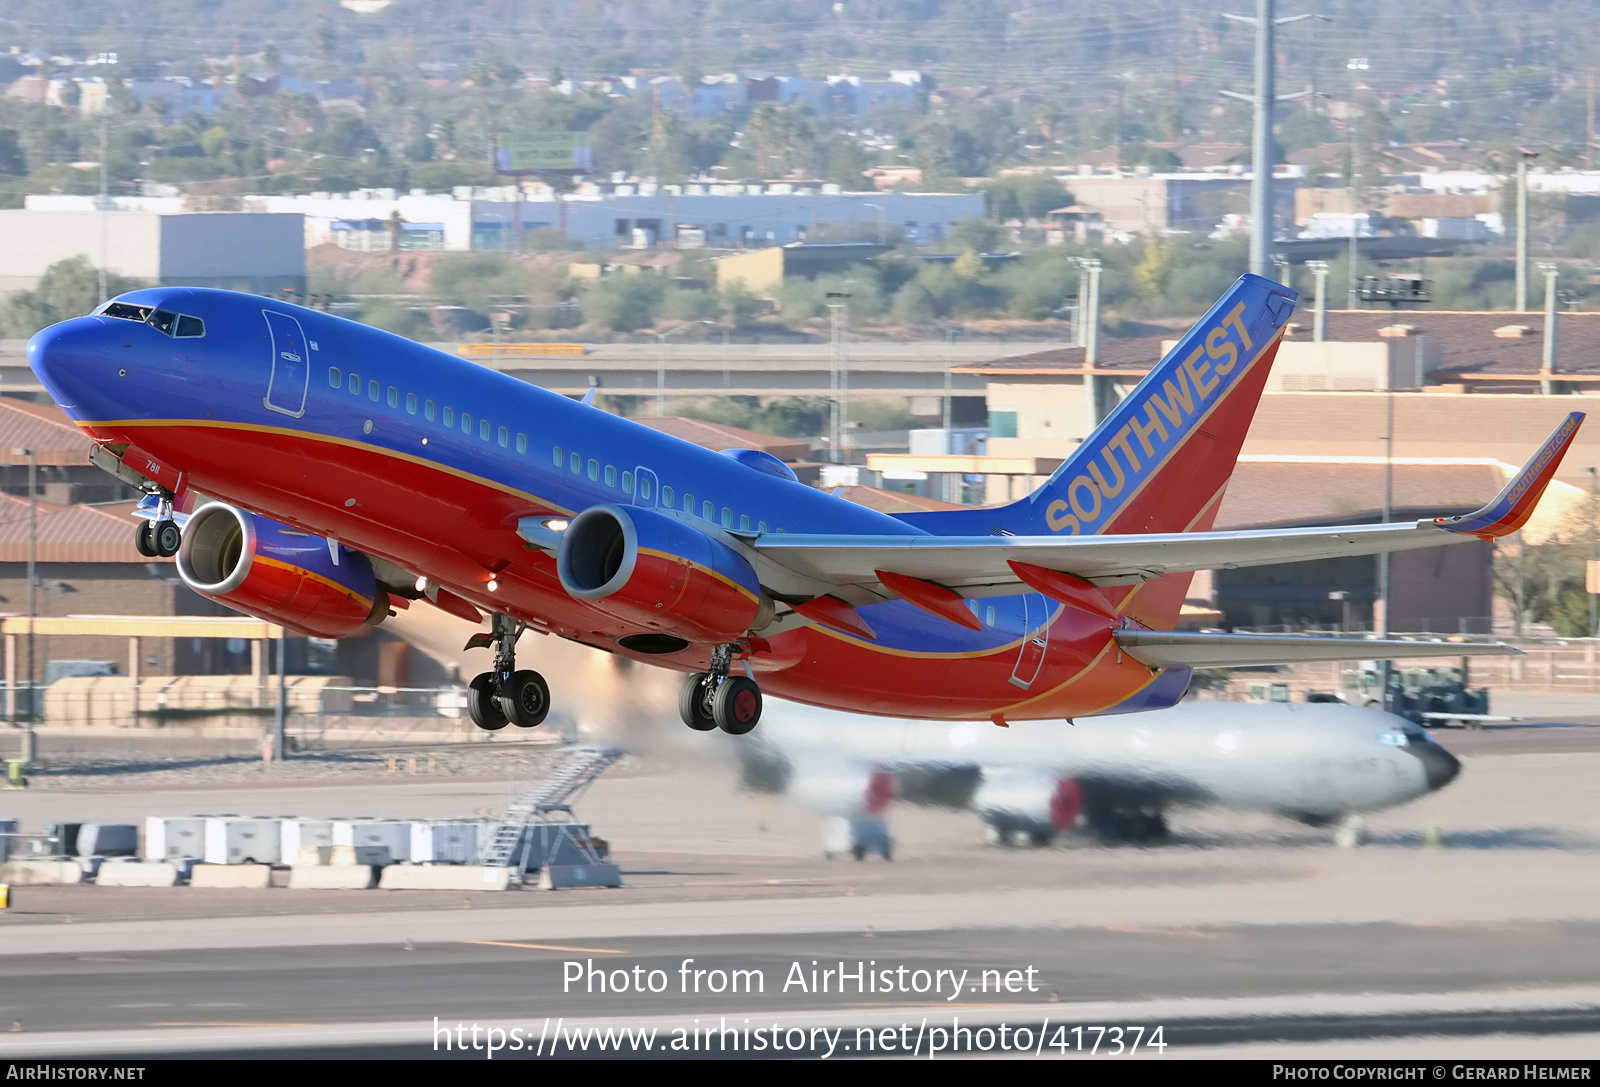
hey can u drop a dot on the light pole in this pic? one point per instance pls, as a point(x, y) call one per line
point(839, 314)
point(1319, 320)
point(661, 363)
point(1522, 227)
point(1354, 64)
point(882, 228)
point(33, 560)
point(1547, 369)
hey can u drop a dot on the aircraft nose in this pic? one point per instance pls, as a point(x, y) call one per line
point(1438, 765)
point(69, 356)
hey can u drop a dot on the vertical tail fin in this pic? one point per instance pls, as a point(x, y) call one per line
point(1159, 461)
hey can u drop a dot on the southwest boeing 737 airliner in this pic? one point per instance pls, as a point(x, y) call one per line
point(346, 472)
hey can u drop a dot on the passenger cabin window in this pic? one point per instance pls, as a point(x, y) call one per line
point(761, 527)
point(646, 489)
point(355, 384)
point(667, 497)
point(688, 504)
point(709, 511)
point(483, 429)
point(558, 456)
point(627, 482)
point(522, 443)
point(594, 469)
point(411, 403)
point(394, 397)
point(449, 417)
point(744, 523)
point(727, 517)
point(427, 410)
point(988, 615)
point(575, 463)
point(335, 379)
point(372, 391)
point(611, 475)
point(466, 423)
point(505, 438)
point(190, 328)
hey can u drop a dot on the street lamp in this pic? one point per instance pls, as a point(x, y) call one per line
point(839, 315)
point(33, 579)
point(661, 363)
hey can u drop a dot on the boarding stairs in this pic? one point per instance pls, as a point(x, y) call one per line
point(551, 794)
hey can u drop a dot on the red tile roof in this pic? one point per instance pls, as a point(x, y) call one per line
point(68, 533)
point(43, 428)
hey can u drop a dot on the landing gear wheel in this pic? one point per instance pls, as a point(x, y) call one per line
point(692, 703)
point(482, 705)
point(143, 539)
point(526, 699)
point(737, 706)
point(166, 537)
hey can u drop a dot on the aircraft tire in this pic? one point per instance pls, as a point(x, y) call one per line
point(737, 705)
point(167, 538)
point(526, 702)
point(143, 541)
point(482, 705)
point(692, 703)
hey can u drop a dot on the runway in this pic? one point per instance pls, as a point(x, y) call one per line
point(1244, 936)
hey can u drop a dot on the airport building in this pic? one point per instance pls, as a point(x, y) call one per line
point(160, 245)
point(622, 215)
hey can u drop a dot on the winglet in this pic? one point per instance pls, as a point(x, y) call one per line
point(1513, 506)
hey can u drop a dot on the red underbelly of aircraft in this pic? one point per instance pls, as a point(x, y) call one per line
point(456, 530)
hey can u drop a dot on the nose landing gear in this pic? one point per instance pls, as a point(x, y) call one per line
point(506, 695)
point(715, 699)
point(160, 538)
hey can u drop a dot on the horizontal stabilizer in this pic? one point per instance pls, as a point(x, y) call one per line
point(1166, 649)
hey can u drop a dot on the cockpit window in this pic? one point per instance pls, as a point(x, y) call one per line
point(190, 327)
point(162, 321)
point(125, 312)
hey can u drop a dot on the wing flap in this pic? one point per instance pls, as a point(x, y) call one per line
point(1167, 649)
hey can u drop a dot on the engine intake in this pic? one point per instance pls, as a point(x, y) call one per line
point(277, 573)
point(644, 567)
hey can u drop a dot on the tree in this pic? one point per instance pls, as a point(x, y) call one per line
point(1025, 196)
point(68, 288)
point(12, 161)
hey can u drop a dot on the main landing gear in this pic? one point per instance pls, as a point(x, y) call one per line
point(160, 538)
point(505, 695)
point(715, 699)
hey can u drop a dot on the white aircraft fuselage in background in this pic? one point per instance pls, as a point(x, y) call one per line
point(1115, 778)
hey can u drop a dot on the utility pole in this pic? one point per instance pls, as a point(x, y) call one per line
point(1089, 317)
point(1522, 227)
point(33, 561)
point(1594, 513)
point(1261, 156)
point(105, 206)
point(280, 738)
point(1386, 667)
point(1319, 320)
point(1547, 366)
point(839, 312)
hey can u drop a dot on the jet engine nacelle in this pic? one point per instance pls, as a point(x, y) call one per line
point(277, 573)
point(644, 567)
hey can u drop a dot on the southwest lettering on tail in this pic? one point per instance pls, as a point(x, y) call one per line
point(1138, 438)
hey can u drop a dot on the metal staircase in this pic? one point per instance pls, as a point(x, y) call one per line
point(575, 772)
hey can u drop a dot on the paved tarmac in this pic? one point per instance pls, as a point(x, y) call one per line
point(1247, 935)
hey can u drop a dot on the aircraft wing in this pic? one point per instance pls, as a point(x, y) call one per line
point(976, 566)
point(1166, 649)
